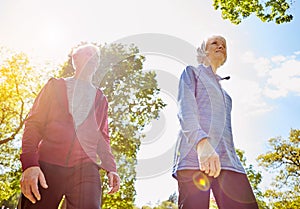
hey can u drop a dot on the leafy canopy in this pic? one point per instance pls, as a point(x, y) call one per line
point(284, 160)
point(266, 11)
point(19, 84)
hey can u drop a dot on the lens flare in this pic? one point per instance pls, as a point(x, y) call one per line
point(201, 181)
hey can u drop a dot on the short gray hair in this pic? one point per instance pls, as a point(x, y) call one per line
point(201, 52)
point(87, 50)
point(93, 49)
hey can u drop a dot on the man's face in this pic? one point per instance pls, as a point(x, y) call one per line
point(216, 50)
point(87, 61)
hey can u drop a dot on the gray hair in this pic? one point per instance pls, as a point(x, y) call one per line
point(91, 48)
point(201, 52)
point(86, 50)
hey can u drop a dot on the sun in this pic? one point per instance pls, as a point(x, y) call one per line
point(53, 41)
point(52, 35)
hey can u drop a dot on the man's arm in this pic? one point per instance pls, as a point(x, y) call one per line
point(33, 132)
point(104, 149)
point(34, 127)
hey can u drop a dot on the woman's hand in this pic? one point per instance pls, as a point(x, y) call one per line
point(209, 161)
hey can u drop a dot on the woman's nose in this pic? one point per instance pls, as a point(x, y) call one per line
point(221, 46)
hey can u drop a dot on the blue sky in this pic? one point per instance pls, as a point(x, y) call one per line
point(263, 62)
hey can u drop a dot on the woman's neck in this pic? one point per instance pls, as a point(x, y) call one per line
point(213, 66)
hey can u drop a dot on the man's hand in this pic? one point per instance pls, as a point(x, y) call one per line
point(209, 161)
point(29, 183)
point(114, 182)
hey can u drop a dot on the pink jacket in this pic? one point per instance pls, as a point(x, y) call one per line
point(50, 135)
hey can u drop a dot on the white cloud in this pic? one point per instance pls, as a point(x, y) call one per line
point(275, 93)
point(284, 79)
point(278, 76)
point(250, 99)
point(262, 66)
point(278, 59)
point(248, 57)
point(297, 53)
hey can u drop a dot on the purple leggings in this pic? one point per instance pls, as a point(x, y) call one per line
point(231, 190)
point(81, 186)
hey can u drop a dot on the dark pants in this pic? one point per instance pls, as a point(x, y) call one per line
point(231, 190)
point(81, 186)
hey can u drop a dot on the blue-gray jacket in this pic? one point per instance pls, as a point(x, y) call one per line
point(204, 112)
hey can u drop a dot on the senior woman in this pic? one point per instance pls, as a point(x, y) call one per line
point(205, 158)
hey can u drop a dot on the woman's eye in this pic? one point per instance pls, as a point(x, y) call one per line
point(214, 42)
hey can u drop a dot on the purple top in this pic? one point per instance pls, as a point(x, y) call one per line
point(204, 112)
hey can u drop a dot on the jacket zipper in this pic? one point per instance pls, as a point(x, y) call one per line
point(71, 147)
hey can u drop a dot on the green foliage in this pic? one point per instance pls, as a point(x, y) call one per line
point(213, 204)
point(271, 10)
point(133, 102)
point(284, 160)
point(255, 179)
point(173, 198)
point(18, 88)
point(253, 176)
point(171, 203)
point(166, 205)
point(10, 175)
point(146, 207)
point(162, 205)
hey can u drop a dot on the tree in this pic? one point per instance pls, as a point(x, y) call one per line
point(266, 11)
point(18, 88)
point(173, 198)
point(255, 179)
point(166, 205)
point(171, 203)
point(212, 203)
point(284, 160)
point(146, 207)
point(133, 102)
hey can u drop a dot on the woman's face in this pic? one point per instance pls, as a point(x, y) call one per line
point(216, 50)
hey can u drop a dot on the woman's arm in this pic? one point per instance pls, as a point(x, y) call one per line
point(188, 108)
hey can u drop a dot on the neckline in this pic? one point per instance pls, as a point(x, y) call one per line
point(66, 96)
point(209, 70)
point(80, 81)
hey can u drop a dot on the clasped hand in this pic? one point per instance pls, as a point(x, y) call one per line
point(209, 161)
